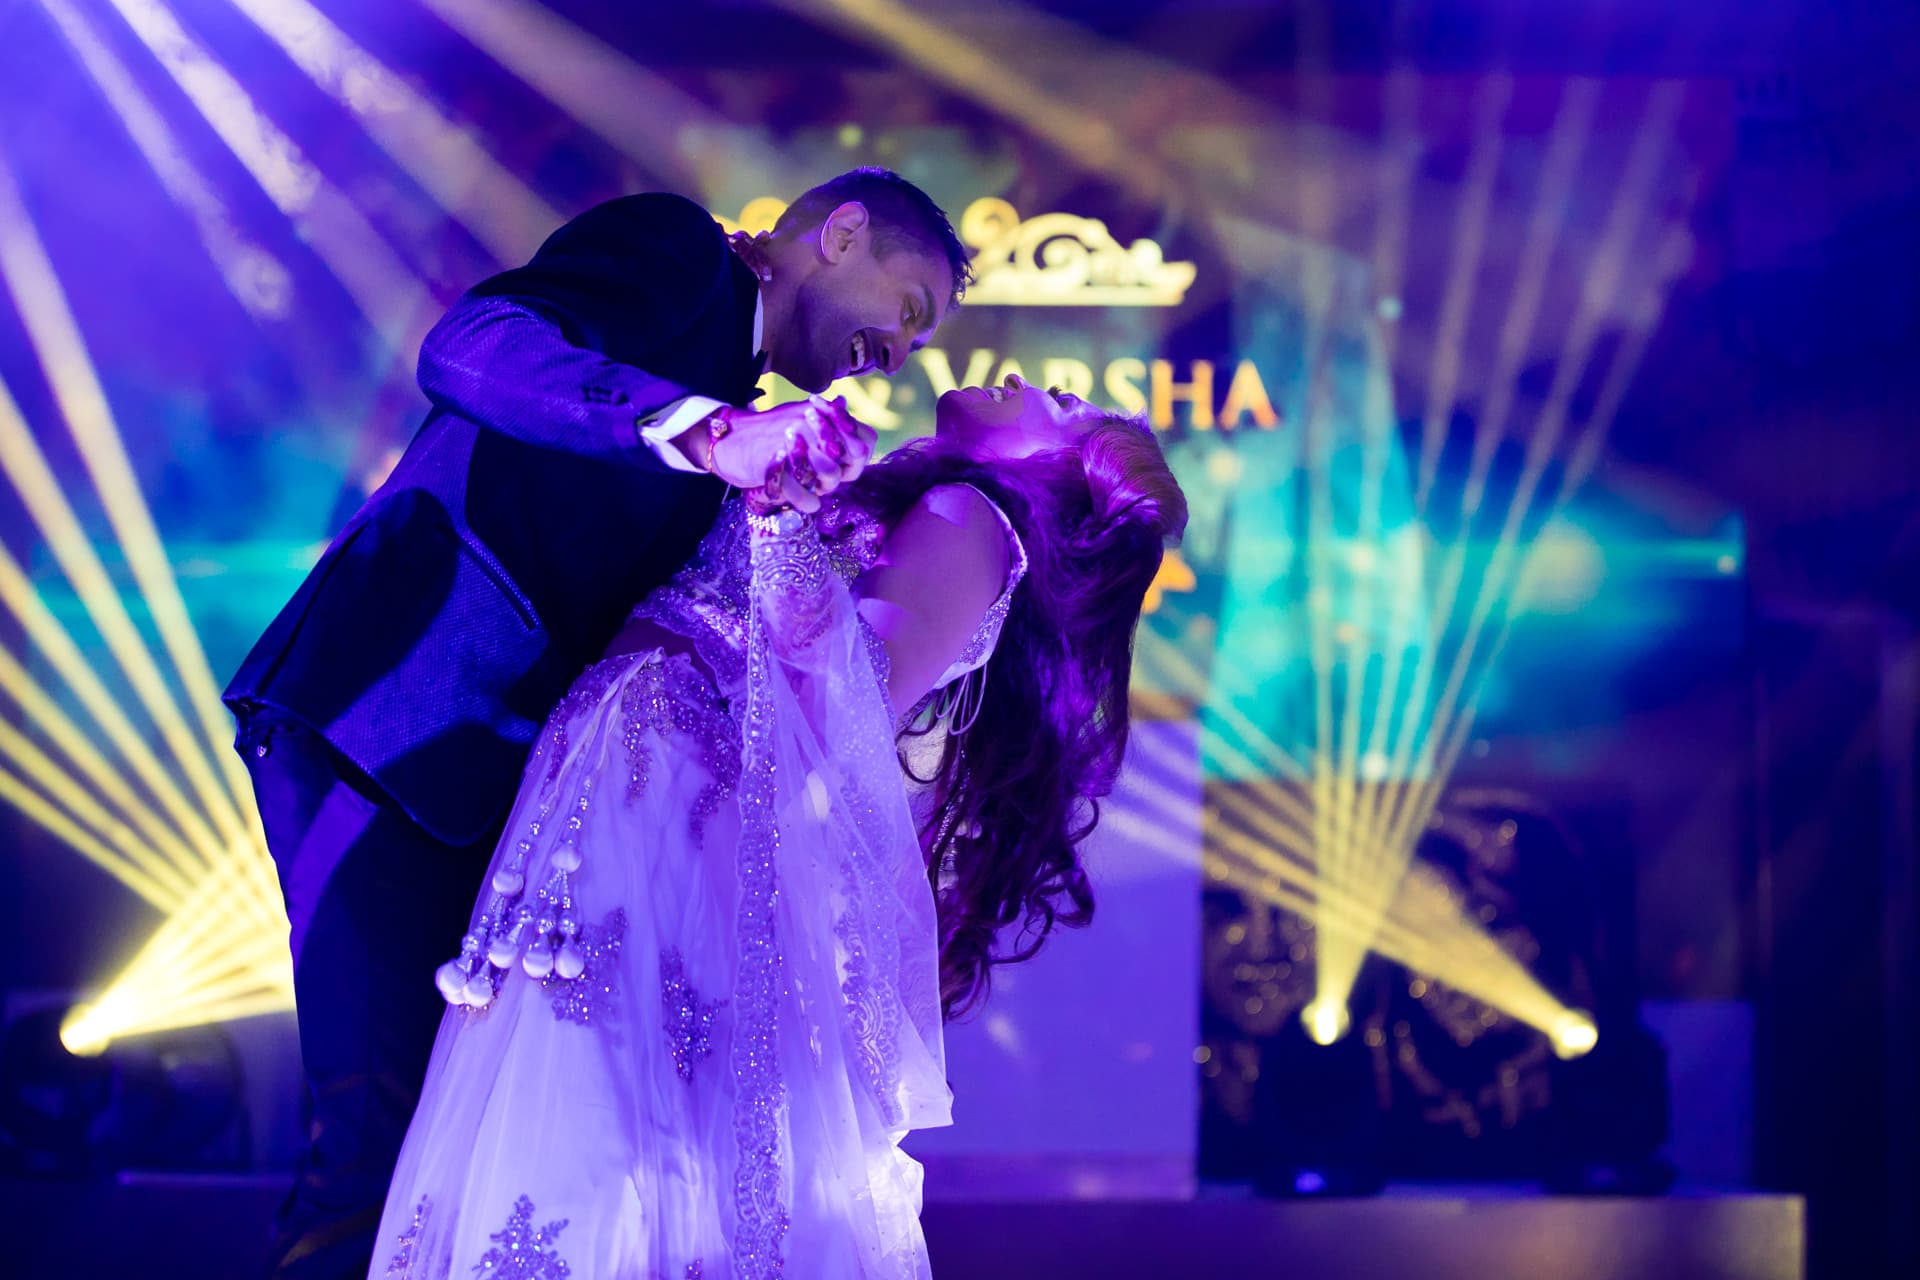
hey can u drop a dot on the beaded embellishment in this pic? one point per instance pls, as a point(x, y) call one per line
point(522, 1251)
point(401, 1265)
point(689, 1019)
point(590, 999)
point(542, 931)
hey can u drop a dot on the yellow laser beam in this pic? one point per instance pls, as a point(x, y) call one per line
point(1492, 976)
point(203, 957)
point(30, 278)
point(95, 591)
point(1470, 220)
point(1602, 279)
point(85, 808)
point(1424, 924)
point(40, 710)
point(17, 792)
point(1378, 865)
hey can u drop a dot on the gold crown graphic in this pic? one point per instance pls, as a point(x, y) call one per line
point(1054, 260)
point(1062, 260)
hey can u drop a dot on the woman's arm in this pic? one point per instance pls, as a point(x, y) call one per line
point(944, 565)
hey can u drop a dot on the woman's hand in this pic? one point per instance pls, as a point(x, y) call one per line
point(792, 454)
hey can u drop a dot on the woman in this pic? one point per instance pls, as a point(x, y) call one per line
point(702, 1002)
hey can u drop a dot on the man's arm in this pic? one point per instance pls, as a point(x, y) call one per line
point(503, 364)
point(554, 352)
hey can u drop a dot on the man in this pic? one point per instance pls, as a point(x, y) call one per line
point(585, 426)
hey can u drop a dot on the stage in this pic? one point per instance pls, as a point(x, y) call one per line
point(158, 1227)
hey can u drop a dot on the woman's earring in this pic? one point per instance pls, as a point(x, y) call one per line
point(960, 702)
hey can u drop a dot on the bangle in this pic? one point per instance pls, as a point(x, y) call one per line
point(783, 523)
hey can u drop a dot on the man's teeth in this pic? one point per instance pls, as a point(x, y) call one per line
point(859, 353)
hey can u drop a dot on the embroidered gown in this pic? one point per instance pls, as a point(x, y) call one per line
point(698, 1007)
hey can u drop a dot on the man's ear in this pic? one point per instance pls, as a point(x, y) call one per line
point(845, 230)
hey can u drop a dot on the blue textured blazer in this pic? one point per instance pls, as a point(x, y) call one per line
point(526, 518)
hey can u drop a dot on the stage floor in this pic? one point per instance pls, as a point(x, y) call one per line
point(161, 1226)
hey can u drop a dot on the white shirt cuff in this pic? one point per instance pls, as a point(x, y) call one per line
point(660, 428)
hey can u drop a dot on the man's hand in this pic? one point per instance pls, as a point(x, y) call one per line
point(809, 447)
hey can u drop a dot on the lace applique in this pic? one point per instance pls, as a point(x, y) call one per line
point(585, 692)
point(790, 572)
point(689, 1020)
point(401, 1267)
point(707, 600)
point(522, 1251)
point(590, 999)
point(981, 642)
point(878, 656)
point(674, 696)
point(865, 1011)
point(542, 932)
point(872, 1002)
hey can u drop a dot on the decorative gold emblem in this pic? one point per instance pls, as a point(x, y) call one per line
point(1053, 260)
point(1063, 260)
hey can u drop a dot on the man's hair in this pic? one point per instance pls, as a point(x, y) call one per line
point(903, 217)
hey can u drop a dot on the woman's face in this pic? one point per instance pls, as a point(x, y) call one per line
point(1013, 420)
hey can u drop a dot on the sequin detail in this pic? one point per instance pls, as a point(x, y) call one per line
point(689, 1019)
point(591, 999)
point(401, 1267)
point(979, 646)
point(522, 1251)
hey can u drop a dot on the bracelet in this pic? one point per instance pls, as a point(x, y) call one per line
point(719, 427)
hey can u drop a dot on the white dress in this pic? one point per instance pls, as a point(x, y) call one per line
point(699, 1004)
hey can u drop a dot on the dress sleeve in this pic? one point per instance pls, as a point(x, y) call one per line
point(824, 815)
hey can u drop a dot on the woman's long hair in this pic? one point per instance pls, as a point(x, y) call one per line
point(1017, 793)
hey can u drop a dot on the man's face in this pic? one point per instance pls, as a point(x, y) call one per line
point(858, 313)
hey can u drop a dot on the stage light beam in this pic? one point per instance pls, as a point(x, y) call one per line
point(258, 281)
point(502, 212)
point(382, 286)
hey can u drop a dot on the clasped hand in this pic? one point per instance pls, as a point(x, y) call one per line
point(791, 455)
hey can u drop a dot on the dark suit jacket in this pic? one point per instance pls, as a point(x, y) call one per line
point(526, 518)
